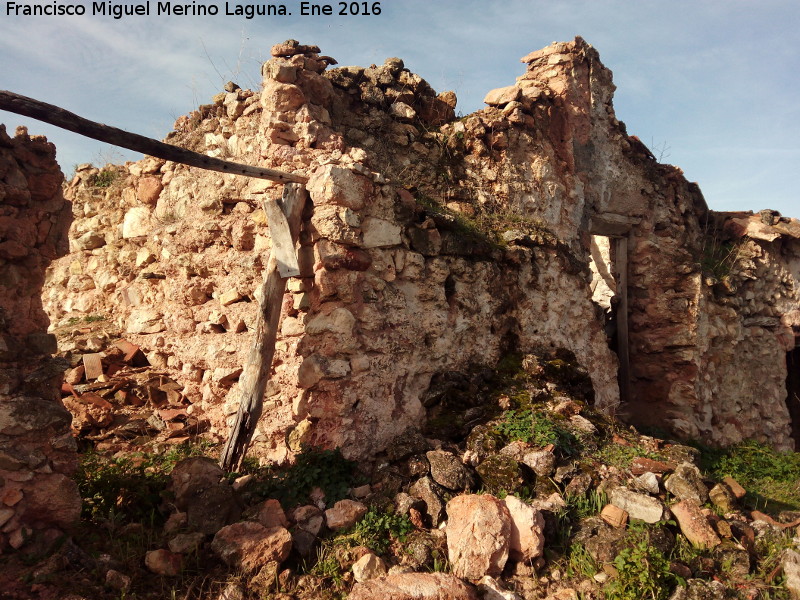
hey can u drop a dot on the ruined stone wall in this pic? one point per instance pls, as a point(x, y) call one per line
point(403, 279)
point(37, 451)
point(748, 321)
point(708, 360)
point(434, 245)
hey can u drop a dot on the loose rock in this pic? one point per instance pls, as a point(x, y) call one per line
point(414, 586)
point(344, 514)
point(249, 545)
point(478, 535)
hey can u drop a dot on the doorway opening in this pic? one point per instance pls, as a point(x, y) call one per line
point(793, 393)
point(609, 265)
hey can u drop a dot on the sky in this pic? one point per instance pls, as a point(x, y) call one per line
point(710, 86)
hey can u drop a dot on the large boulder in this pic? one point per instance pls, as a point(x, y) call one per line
point(478, 535)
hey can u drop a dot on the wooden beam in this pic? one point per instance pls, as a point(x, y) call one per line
point(64, 119)
point(623, 348)
point(612, 224)
point(282, 240)
point(255, 375)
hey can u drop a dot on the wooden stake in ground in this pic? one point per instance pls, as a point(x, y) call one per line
point(255, 375)
point(59, 117)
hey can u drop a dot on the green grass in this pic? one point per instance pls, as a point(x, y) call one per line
point(128, 489)
point(538, 428)
point(580, 563)
point(621, 456)
point(326, 469)
point(771, 478)
point(642, 570)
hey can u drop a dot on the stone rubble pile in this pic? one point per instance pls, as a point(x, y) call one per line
point(495, 546)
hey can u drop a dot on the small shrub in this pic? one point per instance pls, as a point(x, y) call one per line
point(537, 428)
point(377, 530)
point(104, 178)
point(642, 571)
point(719, 255)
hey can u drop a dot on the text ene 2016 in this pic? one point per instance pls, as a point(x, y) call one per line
point(340, 8)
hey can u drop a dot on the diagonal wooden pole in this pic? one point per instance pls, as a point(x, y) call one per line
point(64, 119)
point(255, 375)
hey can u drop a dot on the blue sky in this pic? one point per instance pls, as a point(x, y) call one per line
point(711, 85)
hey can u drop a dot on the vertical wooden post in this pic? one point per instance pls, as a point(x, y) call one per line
point(255, 375)
point(623, 353)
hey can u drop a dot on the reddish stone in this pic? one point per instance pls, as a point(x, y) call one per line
point(344, 514)
point(149, 189)
point(52, 499)
point(164, 562)
point(642, 465)
point(11, 250)
point(527, 530)
point(737, 490)
point(250, 546)
point(89, 410)
point(694, 524)
point(270, 514)
point(614, 516)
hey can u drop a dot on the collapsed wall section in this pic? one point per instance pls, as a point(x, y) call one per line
point(434, 244)
point(37, 450)
point(708, 352)
point(403, 276)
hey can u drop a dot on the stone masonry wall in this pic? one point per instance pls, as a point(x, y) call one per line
point(401, 282)
point(708, 359)
point(434, 245)
point(749, 320)
point(37, 450)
